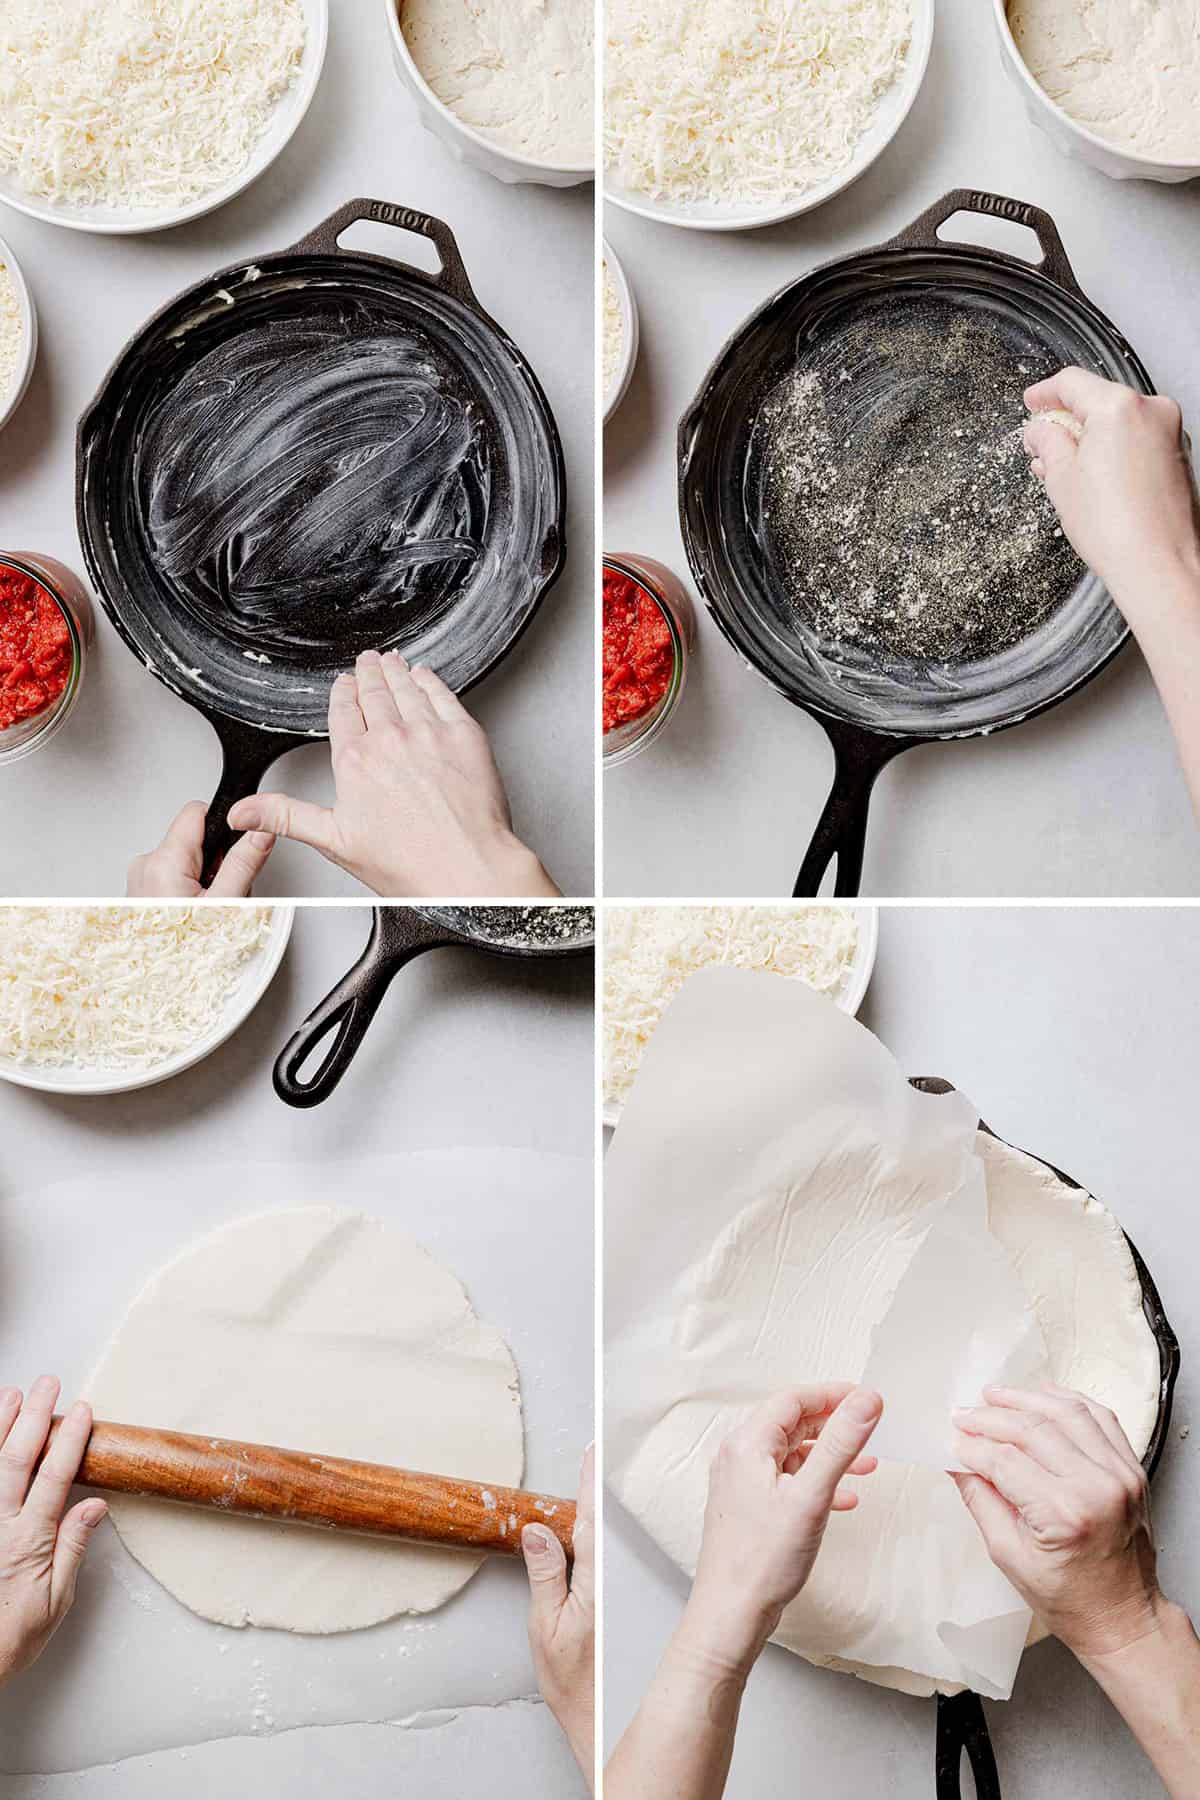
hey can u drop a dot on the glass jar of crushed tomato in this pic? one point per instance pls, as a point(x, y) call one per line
point(649, 631)
point(45, 629)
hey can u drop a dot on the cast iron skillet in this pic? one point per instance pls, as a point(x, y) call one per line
point(961, 1725)
point(871, 713)
point(334, 523)
point(398, 934)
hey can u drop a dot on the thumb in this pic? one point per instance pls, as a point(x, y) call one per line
point(74, 1536)
point(991, 1512)
point(840, 1442)
point(1054, 442)
point(546, 1567)
point(242, 866)
point(282, 816)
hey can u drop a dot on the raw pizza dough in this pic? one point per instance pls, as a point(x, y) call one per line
point(310, 1329)
point(789, 1288)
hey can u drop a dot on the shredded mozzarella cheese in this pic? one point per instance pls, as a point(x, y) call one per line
point(650, 951)
point(139, 104)
point(744, 101)
point(12, 334)
point(614, 331)
point(119, 987)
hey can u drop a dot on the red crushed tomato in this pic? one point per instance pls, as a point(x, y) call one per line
point(35, 648)
point(638, 653)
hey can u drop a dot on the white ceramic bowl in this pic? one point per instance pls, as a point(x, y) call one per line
point(853, 993)
point(894, 108)
point(254, 983)
point(463, 141)
point(1066, 133)
point(629, 334)
point(125, 221)
point(10, 401)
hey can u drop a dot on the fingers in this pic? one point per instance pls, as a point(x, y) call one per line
point(412, 703)
point(1052, 448)
point(1041, 1437)
point(10, 1406)
point(74, 1536)
point(280, 816)
point(841, 1441)
point(583, 1540)
point(60, 1465)
point(345, 719)
point(1016, 1476)
point(1072, 390)
point(24, 1444)
point(242, 866)
point(376, 701)
point(448, 707)
point(546, 1567)
point(780, 1424)
point(1078, 1420)
point(186, 830)
point(998, 1524)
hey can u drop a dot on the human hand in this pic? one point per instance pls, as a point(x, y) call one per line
point(420, 807)
point(1063, 1506)
point(773, 1484)
point(173, 870)
point(1121, 483)
point(41, 1552)
point(562, 1622)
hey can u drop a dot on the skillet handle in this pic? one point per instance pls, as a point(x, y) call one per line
point(349, 1008)
point(962, 1726)
point(922, 234)
point(323, 239)
point(246, 755)
point(858, 757)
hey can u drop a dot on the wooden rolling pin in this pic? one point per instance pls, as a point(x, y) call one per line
point(265, 1483)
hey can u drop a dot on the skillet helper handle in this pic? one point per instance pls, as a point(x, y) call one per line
point(323, 239)
point(349, 1008)
point(841, 832)
point(246, 755)
point(962, 1726)
point(262, 1482)
point(922, 234)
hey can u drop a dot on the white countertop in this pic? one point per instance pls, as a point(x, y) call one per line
point(73, 814)
point(1086, 800)
point(1077, 1034)
point(467, 1118)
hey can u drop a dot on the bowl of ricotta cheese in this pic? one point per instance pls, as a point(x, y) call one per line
point(1113, 84)
point(508, 89)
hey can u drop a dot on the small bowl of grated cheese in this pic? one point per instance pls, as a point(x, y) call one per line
point(18, 335)
point(196, 103)
point(103, 999)
point(649, 952)
point(619, 332)
point(727, 118)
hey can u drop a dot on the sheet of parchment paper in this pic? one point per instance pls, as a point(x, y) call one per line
point(771, 1184)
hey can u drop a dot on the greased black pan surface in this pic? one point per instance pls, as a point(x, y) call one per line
point(398, 934)
point(961, 1725)
point(871, 706)
point(309, 455)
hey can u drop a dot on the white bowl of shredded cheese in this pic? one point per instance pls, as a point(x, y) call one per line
point(103, 999)
point(508, 89)
point(650, 951)
point(1111, 63)
point(18, 335)
point(141, 117)
point(619, 332)
point(727, 115)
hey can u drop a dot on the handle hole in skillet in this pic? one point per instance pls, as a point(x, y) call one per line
point(994, 234)
point(966, 1776)
point(374, 239)
point(321, 1047)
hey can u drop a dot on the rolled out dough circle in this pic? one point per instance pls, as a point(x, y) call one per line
point(310, 1329)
